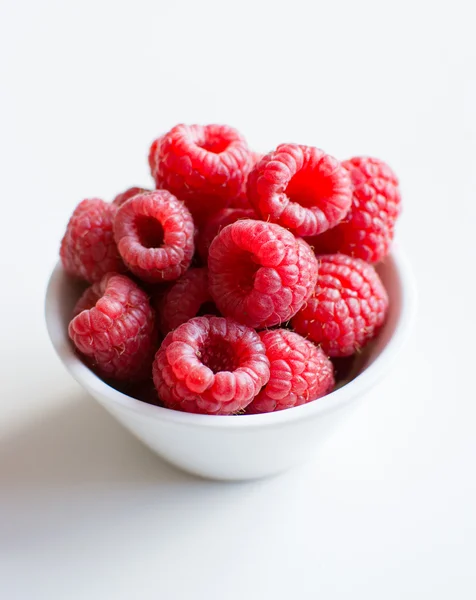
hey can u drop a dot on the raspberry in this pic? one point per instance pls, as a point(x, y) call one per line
point(184, 300)
point(242, 201)
point(215, 224)
point(114, 328)
point(301, 188)
point(255, 158)
point(259, 273)
point(205, 166)
point(154, 234)
point(347, 308)
point(152, 155)
point(300, 372)
point(88, 249)
point(120, 199)
point(210, 365)
point(367, 230)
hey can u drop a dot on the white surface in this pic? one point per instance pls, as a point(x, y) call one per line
point(254, 446)
point(388, 509)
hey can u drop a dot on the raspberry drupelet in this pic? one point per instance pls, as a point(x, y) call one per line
point(367, 230)
point(208, 232)
point(185, 299)
point(205, 166)
point(242, 201)
point(259, 273)
point(210, 365)
point(88, 250)
point(299, 372)
point(154, 234)
point(123, 197)
point(300, 188)
point(114, 328)
point(347, 308)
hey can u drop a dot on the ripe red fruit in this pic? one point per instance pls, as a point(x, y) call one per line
point(185, 298)
point(209, 230)
point(120, 199)
point(210, 365)
point(154, 235)
point(347, 307)
point(205, 166)
point(88, 249)
point(300, 188)
point(114, 328)
point(259, 273)
point(368, 228)
point(299, 372)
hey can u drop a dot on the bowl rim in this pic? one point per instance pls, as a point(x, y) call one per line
point(330, 403)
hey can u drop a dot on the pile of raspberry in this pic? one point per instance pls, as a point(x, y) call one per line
point(242, 283)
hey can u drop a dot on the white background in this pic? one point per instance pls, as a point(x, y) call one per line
point(388, 508)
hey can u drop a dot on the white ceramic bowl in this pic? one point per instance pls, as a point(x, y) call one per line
point(247, 446)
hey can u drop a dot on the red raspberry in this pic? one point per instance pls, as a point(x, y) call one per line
point(215, 224)
point(255, 158)
point(301, 188)
point(367, 230)
point(259, 273)
point(300, 372)
point(114, 328)
point(152, 155)
point(154, 234)
point(88, 249)
point(120, 199)
point(210, 365)
point(347, 308)
point(205, 166)
point(242, 201)
point(184, 300)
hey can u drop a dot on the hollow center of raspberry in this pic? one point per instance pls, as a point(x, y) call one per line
point(149, 231)
point(244, 271)
point(309, 188)
point(214, 144)
point(218, 355)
